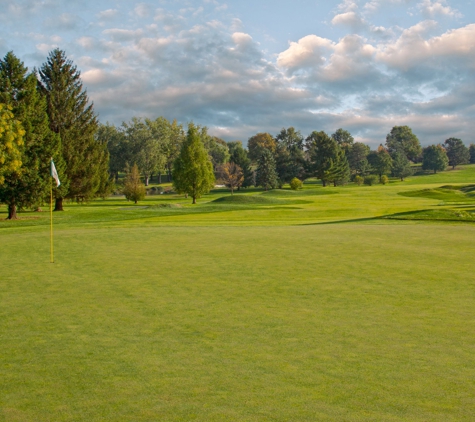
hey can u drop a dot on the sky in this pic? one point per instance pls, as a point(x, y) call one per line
point(243, 67)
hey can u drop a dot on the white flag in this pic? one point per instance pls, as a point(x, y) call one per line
point(54, 174)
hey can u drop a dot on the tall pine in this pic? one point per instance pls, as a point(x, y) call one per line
point(19, 90)
point(72, 117)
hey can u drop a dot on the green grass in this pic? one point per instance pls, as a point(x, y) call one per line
point(277, 306)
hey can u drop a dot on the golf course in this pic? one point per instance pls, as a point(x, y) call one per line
point(348, 303)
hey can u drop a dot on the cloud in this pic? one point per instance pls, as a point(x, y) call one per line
point(107, 15)
point(351, 19)
point(431, 8)
point(309, 51)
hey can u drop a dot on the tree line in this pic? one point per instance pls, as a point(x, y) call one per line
point(46, 114)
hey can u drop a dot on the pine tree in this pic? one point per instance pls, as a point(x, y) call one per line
point(266, 175)
point(340, 171)
point(73, 119)
point(30, 186)
point(322, 151)
point(193, 171)
point(239, 157)
point(401, 166)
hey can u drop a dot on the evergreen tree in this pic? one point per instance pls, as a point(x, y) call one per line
point(358, 159)
point(266, 175)
point(134, 189)
point(401, 166)
point(340, 171)
point(11, 144)
point(258, 143)
point(193, 171)
point(289, 155)
point(73, 119)
point(239, 157)
point(434, 158)
point(457, 152)
point(471, 149)
point(19, 90)
point(322, 151)
point(344, 140)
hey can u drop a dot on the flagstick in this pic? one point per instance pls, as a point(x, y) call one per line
point(51, 224)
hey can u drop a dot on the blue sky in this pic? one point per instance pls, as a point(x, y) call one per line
point(242, 67)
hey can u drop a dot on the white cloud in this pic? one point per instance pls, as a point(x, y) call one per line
point(309, 51)
point(432, 8)
point(351, 19)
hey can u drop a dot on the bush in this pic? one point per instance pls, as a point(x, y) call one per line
point(384, 179)
point(358, 180)
point(296, 184)
point(370, 180)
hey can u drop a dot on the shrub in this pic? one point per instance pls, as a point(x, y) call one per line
point(370, 180)
point(384, 179)
point(296, 184)
point(358, 180)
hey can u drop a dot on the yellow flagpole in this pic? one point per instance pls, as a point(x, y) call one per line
point(51, 224)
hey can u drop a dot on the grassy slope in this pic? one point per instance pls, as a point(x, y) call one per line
point(177, 315)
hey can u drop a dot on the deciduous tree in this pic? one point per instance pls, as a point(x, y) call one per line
point(401, 165)
point(134, 189)
point(434, 158)
point(258, 143)
point(401, 138)
point(232, 176)
point(457, 152)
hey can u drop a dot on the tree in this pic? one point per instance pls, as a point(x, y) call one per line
point(258, 143)
point(171, 146)
point(457, 152)
point(380, 161)
point(358, 158)
point(472, 153)
point(29, 186)
point(296, 184)
point(72, 117)
point(401, 166)
point(232, 175)
point(134, 189)
point(193, 170)
point(344, 139)
point(117, 146)
point(218, 151)
point(322, 151)
point(340, 171)
point(434, 158)
point(289, 155)
point(266, 175)
point(239, 157)
point(402, 138)
point(11, 143)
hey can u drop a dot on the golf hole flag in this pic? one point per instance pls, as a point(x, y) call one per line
point(54, 173)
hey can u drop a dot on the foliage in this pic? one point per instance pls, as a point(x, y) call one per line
point(357, 158)
point(384, 179)
point(218, 151)
point(266, 175)
point(258, 143)
point(116, 141)
point(401, 165)
point(296, 184)
point(457, 152)
point(193, 170)
point(358, 180)
point(322, 152)
point(370, 180)
point(232, 175)
point(340, 171)
point(134, 189)
point(434, 158)
point(402, 139)
point(86, 168)
point(289, 155)
point(11, 143)
point(380, 161)
point(19, 90)
point(344, 139)
point(239, 157)
point(472, 153)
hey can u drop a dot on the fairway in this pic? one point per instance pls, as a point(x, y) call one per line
point(308, 310)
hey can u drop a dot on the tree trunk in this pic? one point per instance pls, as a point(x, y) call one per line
point(12, 212)
point(194, 200)
point(324, 183)
point(58, 205)
point(147, 178)
point(159, 178)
